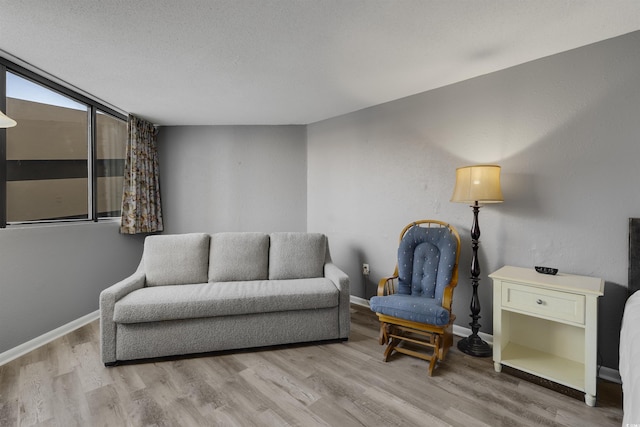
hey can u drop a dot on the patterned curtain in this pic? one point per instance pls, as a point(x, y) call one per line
point(141, 207)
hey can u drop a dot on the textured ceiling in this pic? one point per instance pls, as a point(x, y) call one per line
point(197, 62)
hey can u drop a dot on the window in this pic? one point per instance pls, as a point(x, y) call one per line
point(64, 160)
point(111, 144)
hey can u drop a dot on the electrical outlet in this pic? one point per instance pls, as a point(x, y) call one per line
point(365, 269)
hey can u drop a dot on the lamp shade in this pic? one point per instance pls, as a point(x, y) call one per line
point(480, 183)
point(6, 122)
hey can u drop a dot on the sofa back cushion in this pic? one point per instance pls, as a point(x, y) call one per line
point(297, 255)
point(176, 259)
point(238, 256)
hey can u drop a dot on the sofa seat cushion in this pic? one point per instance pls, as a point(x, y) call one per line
point(224, 299)
point(415, 309)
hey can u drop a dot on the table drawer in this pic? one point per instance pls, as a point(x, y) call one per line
point(544, 302)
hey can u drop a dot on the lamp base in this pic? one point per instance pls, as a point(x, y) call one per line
point(473, 345)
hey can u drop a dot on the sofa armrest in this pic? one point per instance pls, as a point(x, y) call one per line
point(341, 280)
point(123, 287)
point(108, 299)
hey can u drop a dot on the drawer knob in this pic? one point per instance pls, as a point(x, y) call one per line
point(539, 301)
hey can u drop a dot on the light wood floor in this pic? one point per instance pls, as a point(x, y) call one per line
point(338, 384)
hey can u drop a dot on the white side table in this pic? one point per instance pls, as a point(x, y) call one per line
point(547, 326)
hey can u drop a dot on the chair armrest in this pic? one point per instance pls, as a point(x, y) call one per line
point(108, 299)
point(447, 294)
point(341, 280)
point(387, 286)
point(447, 297)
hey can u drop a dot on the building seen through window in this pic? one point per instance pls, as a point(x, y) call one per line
point(57, 167)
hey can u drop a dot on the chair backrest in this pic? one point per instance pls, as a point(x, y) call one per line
point(427, 259)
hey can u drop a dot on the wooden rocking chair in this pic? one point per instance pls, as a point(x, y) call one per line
point(414, 305)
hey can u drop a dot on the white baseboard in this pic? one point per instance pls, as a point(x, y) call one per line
point(46, 338)
point(461, 331)
point(359, 301)
point(605, 373)
point(609, 374)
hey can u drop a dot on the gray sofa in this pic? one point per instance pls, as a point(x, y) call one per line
point(195, 293)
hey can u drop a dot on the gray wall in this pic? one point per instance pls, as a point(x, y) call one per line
point(566, 131)
point(233, 178)
point(52, 275)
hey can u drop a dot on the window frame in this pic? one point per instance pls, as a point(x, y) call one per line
point(94, 107)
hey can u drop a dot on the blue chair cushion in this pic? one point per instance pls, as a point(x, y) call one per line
point(415, 309)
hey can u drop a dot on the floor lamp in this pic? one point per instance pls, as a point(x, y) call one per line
point(476, 184)
point(6, 122)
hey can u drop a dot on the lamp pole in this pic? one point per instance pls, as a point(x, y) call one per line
point(473, 344)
